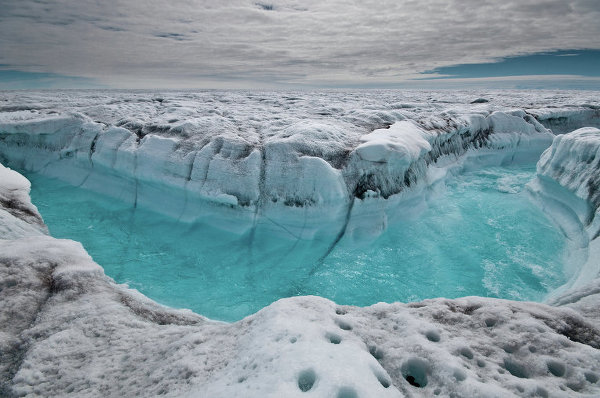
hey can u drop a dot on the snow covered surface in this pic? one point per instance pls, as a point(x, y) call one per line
point(68, 330)
point(18, 216)
point(298, 158)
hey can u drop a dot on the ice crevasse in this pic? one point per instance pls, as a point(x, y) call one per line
point(71, 331)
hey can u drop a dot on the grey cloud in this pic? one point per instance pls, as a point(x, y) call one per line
point(587, 6)
point(112, 28)
point(197, 42)
point(173, 36)
point(266, 7)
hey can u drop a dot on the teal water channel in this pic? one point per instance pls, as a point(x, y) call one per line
point(480, 236)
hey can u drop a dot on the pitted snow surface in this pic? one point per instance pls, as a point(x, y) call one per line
point(75, 333)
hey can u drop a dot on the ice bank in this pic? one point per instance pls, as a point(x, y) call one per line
point(68, 330)
point(240, 161)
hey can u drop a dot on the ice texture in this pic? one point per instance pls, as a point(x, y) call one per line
point(573, 161)
point(18, 216)
point(69, 330)
point(568, 186)
point(297, 161)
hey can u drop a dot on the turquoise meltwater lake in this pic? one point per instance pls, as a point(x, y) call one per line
point(480, 236)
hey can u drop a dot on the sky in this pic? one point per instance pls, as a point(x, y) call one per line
point(299, 44)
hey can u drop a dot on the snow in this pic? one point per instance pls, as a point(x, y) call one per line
point(18, 216)
point(69, 330)
point(400, 145)
point(73, 332)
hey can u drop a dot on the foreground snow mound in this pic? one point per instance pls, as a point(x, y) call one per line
point(70, 331)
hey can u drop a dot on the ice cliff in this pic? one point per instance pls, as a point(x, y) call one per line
point(69, 330)
point(568, 186)
point(252, 157)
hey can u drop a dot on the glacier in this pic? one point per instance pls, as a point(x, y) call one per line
point(244, 155)
point(319, 166)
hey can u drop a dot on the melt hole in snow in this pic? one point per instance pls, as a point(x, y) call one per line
point(343, 325)
point(381, 378)
point(575, 386)
point(556, 368)
point(510, 348)
point(459, 375)
point(516, 369)
point(333, 338)
point(591, 377)
point(415, 372)
point(433, 335)
point(466, 352)
point(306, 380)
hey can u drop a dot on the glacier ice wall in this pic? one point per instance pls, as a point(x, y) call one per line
point(303, 160)
point(568, 187)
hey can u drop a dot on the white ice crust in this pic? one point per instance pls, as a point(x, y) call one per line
point(18, 216)
point(69, 330)
point(250, 157)
point(400, 145)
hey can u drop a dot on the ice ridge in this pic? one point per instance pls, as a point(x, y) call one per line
point(186, 163)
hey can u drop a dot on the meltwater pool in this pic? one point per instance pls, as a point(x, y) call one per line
point(481, 236)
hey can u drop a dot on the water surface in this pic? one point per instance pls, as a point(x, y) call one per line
point(482, 236)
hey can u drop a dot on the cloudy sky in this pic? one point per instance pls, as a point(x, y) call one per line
point(296, 44)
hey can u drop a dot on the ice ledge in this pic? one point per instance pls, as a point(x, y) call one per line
point(573, 161)
point(18, 216)
point(304, 167)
